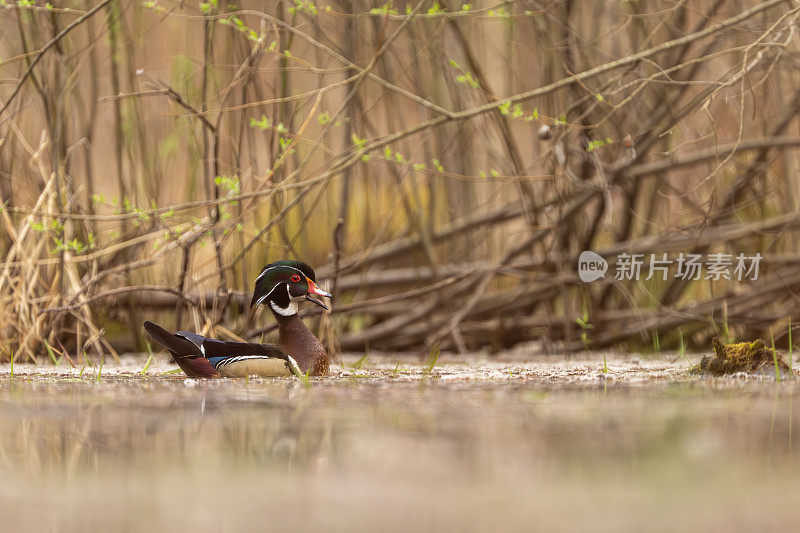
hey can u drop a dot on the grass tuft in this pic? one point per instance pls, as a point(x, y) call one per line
point(358, 365)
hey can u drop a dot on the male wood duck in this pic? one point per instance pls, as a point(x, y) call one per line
point(282, 286)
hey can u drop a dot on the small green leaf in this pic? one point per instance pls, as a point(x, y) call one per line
point(358, 141)
point(324, 118)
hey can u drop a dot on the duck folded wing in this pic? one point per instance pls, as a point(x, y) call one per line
point(201, 357)
point(186, 353)
point(238, 359)
point(216, 348)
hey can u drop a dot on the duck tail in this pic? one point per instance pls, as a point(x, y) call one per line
point(186, 353)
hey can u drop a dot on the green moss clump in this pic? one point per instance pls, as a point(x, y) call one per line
point(739, 357)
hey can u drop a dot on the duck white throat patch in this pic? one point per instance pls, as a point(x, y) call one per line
point(289, 310)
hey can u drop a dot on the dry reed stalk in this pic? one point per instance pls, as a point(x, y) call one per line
point(490, 144)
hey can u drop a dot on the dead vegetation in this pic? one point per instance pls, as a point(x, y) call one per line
point(443, 163)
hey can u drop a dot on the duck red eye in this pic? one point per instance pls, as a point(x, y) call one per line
point(296, 278)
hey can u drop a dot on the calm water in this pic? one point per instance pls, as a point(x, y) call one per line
point(517, 448)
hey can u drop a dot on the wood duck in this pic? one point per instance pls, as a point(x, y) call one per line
point(282, 286)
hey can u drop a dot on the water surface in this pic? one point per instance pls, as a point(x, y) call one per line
point(465, 447)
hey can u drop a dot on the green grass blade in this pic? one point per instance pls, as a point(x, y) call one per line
point(304, 379)
point(358, 365)
point(50, 352)
point(433, 358)
point(149, 359)
point(147, 364)
point(775, 358)
point(791, 373)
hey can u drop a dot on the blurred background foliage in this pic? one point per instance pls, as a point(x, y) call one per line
point(441, 163)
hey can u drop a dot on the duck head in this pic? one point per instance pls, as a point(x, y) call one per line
point(284, 284)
